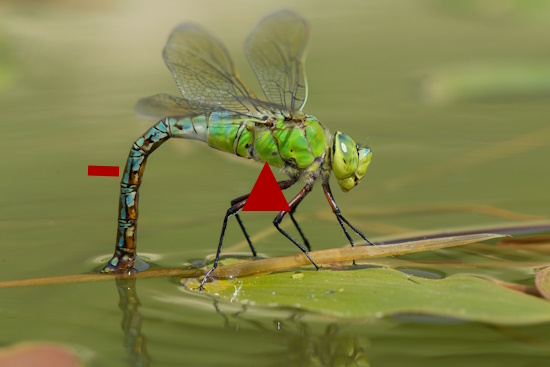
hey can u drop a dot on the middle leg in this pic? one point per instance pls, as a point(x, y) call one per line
point(293, 204)
point(283, 185)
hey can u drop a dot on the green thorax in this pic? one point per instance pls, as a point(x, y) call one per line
point(298, 144)
point(287, 143)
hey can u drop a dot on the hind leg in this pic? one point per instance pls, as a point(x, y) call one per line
point(231, 211)
point(283, 185)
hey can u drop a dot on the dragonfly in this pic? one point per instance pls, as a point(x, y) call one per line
point(216, 107)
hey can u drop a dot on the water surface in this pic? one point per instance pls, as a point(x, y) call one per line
point(439, 163)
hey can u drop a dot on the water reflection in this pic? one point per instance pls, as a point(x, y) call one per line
point(329, 349)
point(134, 342)
point(304, 344)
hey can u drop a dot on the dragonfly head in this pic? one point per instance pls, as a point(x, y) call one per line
point(349, 161)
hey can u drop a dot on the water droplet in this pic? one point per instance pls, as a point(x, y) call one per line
point(297, 275)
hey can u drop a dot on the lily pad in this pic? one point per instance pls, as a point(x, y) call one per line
point(377, 292)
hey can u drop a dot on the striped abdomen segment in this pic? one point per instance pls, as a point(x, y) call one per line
point(234, 136)
point(125, 249)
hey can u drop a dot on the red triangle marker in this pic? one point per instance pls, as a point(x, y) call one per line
point(266, 196)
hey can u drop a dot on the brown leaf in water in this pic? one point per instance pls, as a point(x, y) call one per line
point(542, 281)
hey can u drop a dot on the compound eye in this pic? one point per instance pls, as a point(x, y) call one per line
point(365, 156)
point(344, 156)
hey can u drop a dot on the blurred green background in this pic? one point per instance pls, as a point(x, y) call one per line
point(451, 96)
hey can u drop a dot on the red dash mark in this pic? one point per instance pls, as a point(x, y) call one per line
point(103, 171)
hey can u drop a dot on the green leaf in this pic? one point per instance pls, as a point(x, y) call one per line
point(376, 292)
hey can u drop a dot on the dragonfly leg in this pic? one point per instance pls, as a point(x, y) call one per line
point(231, 211)
point(306, 242)
point(283, 185)
point(233, 202)
point(239, 220)
point(340, 217)
point(293, 204)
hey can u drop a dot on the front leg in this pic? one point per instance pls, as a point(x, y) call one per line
point(340, 217)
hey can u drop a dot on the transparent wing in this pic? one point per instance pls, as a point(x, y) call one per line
point(205, 74)
point(276, 50)
point(163, 105)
